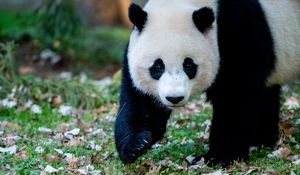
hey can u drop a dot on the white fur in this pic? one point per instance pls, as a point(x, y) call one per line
point(170, 34)
point(175, 84)
point(284, 19)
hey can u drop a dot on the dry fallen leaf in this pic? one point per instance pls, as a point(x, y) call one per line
point(72, 162)
point(57, 100)
point(281, 153)
point(8, 125)
point(287, 128)
point(22, 154)
point(10, 140)
point(44, 130)
point(70, 134)
point(50, 169)
point(74, 143)
point(25, 70)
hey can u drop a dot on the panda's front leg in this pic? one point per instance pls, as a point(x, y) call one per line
point(141, 120)
point(137, 128)
point(131, 142)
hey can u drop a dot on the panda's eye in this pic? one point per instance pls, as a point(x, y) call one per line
point(188, 65)
point(157, 69)
point(190, 68)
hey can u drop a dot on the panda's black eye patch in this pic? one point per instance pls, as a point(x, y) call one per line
point(157, 69)
point(190, 68)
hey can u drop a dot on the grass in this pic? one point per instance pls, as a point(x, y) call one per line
point(167, 158)
point(14, 23)
point(74, 91)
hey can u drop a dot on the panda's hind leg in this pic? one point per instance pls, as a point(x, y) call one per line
point(267, 127)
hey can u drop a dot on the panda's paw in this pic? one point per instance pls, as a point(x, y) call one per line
point(223, 159)
point(212, 160)
point(135, 147)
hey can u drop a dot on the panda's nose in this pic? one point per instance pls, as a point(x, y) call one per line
point(175, 100)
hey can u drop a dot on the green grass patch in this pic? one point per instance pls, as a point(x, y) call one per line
point(15, 23)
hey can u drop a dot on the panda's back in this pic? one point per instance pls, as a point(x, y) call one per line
point(283, 17)
point(261, 38)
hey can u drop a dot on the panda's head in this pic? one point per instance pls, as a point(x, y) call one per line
point(173, 50)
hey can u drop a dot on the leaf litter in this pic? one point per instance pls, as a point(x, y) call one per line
point(94, 136)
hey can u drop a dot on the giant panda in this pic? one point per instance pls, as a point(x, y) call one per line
point(238, 51)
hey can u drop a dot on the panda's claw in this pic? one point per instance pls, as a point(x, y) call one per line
point(145, 141)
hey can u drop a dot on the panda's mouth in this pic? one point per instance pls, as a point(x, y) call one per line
point(176, 106)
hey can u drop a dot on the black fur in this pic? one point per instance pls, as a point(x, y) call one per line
point(141, 120)
point(190, 68)
point(137, 16)
point(246, 112)
point(157, 69)
point(203, 18)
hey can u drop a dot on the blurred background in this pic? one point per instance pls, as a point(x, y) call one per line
point(71, 50)
point(76, 36)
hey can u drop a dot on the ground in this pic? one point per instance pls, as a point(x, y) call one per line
point(53, 137)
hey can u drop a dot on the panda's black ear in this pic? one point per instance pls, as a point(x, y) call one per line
point(203, 18)
point(137, 16)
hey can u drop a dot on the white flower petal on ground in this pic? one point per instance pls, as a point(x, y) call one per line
point(216, 173)
point(39, 149)
point(8, 103)
point(65, 75)
point(59, 151)
point(292, 103)
point(68, 156)
point(11, 150)
point(250, 171)
point(157, 145)
point(280, 153)
point(28, 104)
point(70, 134)
point(50, 169)
point(105, 155)
point(65, 110)
point(92, 145)
point(297, 162)
point(190, 159)
point(36, 109)
point(82, 171)
point(44, 130)
point(89, 169)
